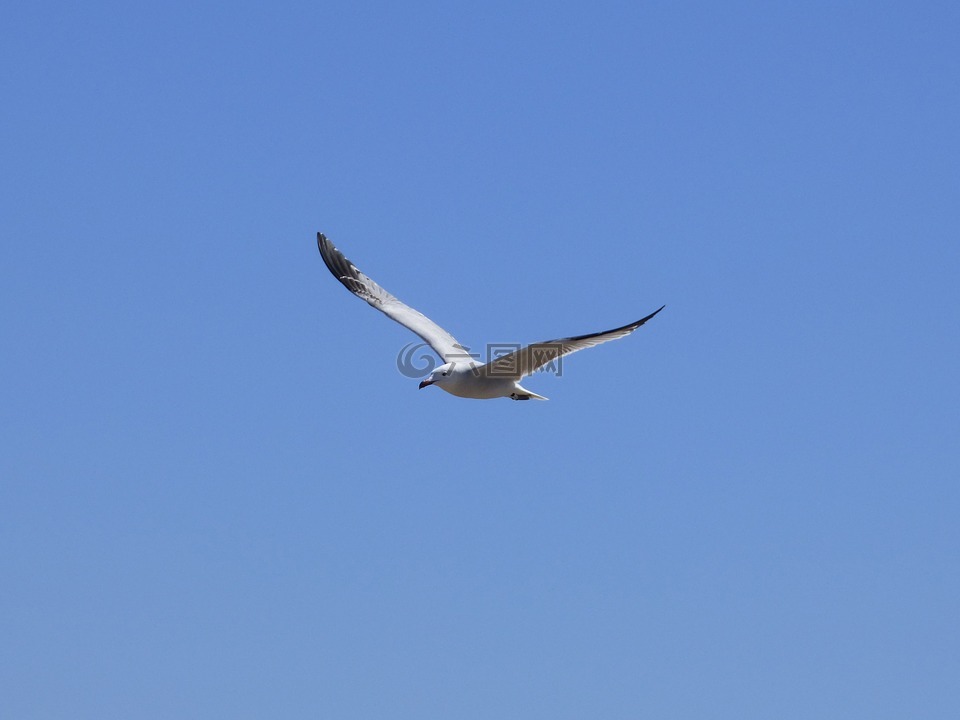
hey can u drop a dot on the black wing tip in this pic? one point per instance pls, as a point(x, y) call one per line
point(630, 327)
point(338, 265)
point(327, 251)
point(641, 321)
point(638, 323)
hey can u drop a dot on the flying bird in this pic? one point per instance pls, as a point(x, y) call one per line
point(461, 374)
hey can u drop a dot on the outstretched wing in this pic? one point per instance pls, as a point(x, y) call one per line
point(525, 361)
point(366, 289)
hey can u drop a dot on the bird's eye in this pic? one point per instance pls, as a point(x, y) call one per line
point(444, 374)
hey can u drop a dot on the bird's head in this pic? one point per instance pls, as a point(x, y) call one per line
point(439, 376)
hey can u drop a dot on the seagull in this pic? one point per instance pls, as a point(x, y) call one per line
point(461, 374)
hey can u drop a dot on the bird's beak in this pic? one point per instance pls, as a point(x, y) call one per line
point(425, 383)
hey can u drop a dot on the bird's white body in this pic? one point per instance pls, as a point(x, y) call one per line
point(460, 374)
point(468, 380)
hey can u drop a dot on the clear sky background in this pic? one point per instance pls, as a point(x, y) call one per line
point(220, 499)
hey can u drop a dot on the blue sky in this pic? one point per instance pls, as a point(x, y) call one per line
point(218, 496)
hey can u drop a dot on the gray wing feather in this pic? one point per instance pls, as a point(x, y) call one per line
point(527, 360)
point(445, 345)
